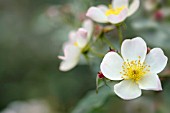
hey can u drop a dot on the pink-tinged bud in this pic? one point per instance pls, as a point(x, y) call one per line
point(97, 30)
point(159, 15)
point(100, 75)
point(148, 50)
point(82, 33)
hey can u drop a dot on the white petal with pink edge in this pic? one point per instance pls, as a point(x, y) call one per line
point(111, 66)
point(132, 49)
point(97, 15)
point(103, 8)
point(82, 39)
point(127, 90)
point(88, 25)
point(72, 36)
point(134, 6)
point(115, 19)
point(150, 82)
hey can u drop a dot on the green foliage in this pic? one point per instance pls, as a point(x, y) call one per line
point(93, 101)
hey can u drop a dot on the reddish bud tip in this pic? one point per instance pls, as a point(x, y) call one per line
point(100, 75)
point(97, 30)
point(148, 50)
point(112, 50)
point(158, 15)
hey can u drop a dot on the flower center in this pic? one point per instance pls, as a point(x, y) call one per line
point(76, 44)
point(114, 11)
point(134, 70)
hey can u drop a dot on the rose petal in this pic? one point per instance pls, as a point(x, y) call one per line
point(88, 25)
point(62, 57)
point(133, 48)
point(97, 15)
point(150, 82)
point(70, 58)
point(103, 8)
point(134, 6)
point(127, 89)
point(111, 66)
point(82, 39)
point(156, 60)
point(119, 3)
point(71, 52)
point(115, 19)
point(67, 65)
point(72, 36)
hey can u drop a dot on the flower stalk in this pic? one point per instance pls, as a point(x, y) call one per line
point(96, 53)
point(108, 42)
point(120, 34)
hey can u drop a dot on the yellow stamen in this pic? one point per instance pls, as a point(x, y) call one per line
point(115, 11)
point(75, 44)
point(134, 70)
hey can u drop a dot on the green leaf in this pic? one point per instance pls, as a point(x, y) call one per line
point(92, 100)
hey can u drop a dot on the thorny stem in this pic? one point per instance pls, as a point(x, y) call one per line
point(120, 34)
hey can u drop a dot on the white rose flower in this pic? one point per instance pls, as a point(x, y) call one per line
point(116, 13)
point(31, 106)
point(137, 69)
point(75, 46)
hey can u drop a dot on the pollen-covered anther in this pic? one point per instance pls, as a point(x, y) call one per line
point(134, 70)
point(75, 44)
point(115, 11)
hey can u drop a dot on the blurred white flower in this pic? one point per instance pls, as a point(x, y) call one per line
point(151, 5)
point(32, 106)
point(136, 68)
point(75, 46)
point(52, 12)
point(117, 12)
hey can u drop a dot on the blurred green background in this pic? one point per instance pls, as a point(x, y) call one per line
point(31, 36)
